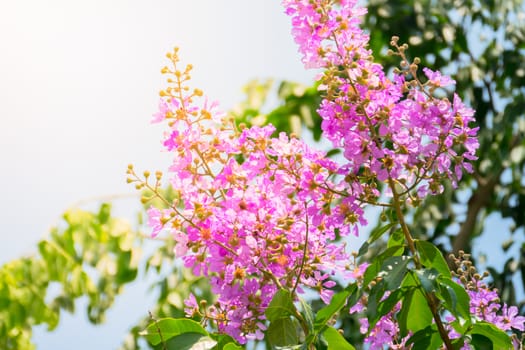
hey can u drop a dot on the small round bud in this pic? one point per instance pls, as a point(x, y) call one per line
point(198, 92)
point(146, 174)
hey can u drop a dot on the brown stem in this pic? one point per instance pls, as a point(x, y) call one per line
point(397, 205)
point(430, 297)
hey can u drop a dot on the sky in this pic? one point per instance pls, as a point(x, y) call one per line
point(79, 81)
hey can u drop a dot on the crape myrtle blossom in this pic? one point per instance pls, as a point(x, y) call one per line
point(388, 129)
point(394, 130)
point(256, 212)
point(253, 213)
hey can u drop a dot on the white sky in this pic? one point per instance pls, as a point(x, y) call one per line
point(79, 81)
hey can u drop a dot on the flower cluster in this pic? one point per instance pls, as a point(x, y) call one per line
point(389, 130)
point(484, 303)
point(253, 213)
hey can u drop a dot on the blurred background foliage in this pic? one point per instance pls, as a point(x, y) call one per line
point(481, 43)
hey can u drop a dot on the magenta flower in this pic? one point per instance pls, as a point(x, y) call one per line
point(256, 212)
point(437, 79)
point(154, 221)
point(511, 319)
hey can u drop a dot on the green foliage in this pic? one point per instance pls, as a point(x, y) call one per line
point(93, 255)
point(455, 298)
point(283, 332)
point(338, 301)
point(375, 234)
point(482, 45)
point(415, 314)
point(164, 329)
point(426, 338)
point(485, 333)
point(431, 256)
point(281, 306)
point(335, 341)
point(484, 51)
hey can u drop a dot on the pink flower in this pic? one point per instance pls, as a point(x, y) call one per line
point(192, 306)
point(154, 221)
point(437, 79)
point(511, 319)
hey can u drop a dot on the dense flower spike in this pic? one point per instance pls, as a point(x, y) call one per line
point(251, 209)
point(388, 129)
point(256, 213)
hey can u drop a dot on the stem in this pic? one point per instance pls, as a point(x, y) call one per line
point(430, 297)
point(164, 346)
point(305, 250)
point(397, 205)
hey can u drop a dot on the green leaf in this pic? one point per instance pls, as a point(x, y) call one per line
point(374, 236)
point(415, 313)
point(393, 270)
point(426, 338)
point(397, 238)
point(335, 340)
point(281, 306)
point(336, 304)
point(167, 328)
point(306, 311)
point(224, 341)
point(375, 297)
point(373, 270)
point(428, 278)
point(382, 307)
point(456, 299)
point(283, 332)
point(232, 346)
point(188, 341)
point(419, 314)
point(480, 342)
point(431, 257)
point(104, 213)
point(499, 339)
